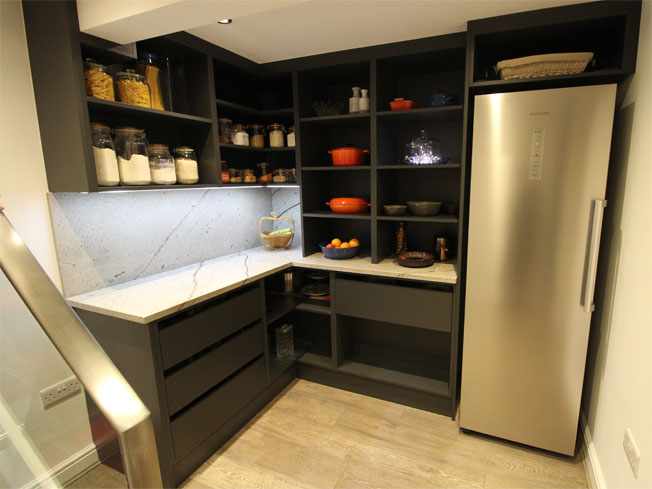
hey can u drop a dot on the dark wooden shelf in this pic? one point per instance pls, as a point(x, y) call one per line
point(179, 186)
point(285, 304)
point(145, 112)
point(259, 150)
point(338, 120)
point(609, 74)
point(418, 167)
point(314, 308)
point(332, 215)
point(449, 112)
point(409, 218)
point(335, 168)
point(103, 51)
point(279, 365)
point(243, 109)
point(315, 360)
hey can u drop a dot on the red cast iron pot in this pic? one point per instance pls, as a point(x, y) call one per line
point(348, 156)
point(348, 205)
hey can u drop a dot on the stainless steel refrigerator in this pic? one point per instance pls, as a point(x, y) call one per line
point(538, 178)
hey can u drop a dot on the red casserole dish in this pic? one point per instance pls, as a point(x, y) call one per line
point(401, 104)
point(348, 205)
point(348, 156)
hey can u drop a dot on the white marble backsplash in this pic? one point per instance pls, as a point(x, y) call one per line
point(285, 202)
point(105, 239)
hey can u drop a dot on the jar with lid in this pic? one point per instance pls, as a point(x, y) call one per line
point(106, 163)
point(133, 161)
point(257, 136)
point(280, 176)
point(291, 139)
point(249, 176)
point(235, 175)
point(240, 135)
point(291, 175)
point(226, 130)
point(265, 173)
point(98, 82)
point(225, 172)
point(185, 164)
point(161, 165)
point(147, 66)
point(132, 88)
point(276, 135)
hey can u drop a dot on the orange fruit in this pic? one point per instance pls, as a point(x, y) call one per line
point(345, 245)
point(354, 242)
point(336, 242)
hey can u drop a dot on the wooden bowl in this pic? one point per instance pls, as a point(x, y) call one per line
point(278, 240)
point(415, 259)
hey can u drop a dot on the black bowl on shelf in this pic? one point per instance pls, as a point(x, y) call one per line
point(323, 109)
point(339, 253)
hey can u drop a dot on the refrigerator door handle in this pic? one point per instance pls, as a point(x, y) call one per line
point(592, 265)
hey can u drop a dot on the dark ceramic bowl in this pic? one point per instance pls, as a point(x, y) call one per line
point(424, 207)
point(339, 253)
point(394, 210)
point(415, 259)
point(441, 100)
point(323, 109)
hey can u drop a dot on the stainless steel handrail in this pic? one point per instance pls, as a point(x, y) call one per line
point(102, 380)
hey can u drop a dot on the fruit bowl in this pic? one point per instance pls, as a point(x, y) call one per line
point(339, 253)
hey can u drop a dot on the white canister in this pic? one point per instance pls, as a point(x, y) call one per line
point(364, 101)
point(354, 102)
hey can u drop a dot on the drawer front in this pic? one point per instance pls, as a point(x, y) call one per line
point(189, 429)
point(191, 381)
point(190, 335)
point(428, 309)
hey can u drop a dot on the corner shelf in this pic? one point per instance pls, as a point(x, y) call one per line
point(335, 168)
point(407, 218)
point(250, 111)
point(337, 120)
point(239, 147)
point(145, 112)
point(419, 167)
point(332, 215)
point(314, 308)
point(449, 112)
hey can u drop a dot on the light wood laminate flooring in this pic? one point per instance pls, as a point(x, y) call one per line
point(313, 436)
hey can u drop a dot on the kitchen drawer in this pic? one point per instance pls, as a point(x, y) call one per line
point(421, 308)
point(198, 422)
point(192, 380)
point(192, 334)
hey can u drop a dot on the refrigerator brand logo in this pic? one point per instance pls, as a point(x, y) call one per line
point(539, 113)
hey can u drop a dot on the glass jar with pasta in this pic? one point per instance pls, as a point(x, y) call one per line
point(98, 82)
point(132, 88)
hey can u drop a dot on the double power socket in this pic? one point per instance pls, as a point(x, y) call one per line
point(58, 392)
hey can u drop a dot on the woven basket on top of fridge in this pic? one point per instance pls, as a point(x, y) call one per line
point(543, 65)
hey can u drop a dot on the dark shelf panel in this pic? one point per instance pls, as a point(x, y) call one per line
point(450, 112)
point(335, 168)
point(123, 188)
point(259, 150)
point(145, 112)
point(607, 73)
point(105, 52)
point(285, 304)
point(279, 365)
point(343, 120)
point(243, 109)
point(332, 215)
point(418, 167)
point(408, 218)
point(314, 308)
point(315, 360)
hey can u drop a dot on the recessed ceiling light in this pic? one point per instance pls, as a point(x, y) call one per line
point(225, 21)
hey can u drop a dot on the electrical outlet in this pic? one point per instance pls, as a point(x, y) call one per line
point(58, 392)
point(633, 455)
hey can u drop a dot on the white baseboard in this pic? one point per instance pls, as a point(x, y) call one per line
point(69, 468)
point(591, 462)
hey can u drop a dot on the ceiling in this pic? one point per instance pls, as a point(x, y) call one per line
point(273, 30)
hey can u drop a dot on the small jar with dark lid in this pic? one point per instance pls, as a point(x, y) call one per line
point(276, 135)
point(161, 165)
point(132, 88)
point(98, 82)
point(257, 136)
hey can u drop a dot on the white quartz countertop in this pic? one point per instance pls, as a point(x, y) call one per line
point(151, 298)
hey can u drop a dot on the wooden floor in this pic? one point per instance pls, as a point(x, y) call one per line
point(313, 436)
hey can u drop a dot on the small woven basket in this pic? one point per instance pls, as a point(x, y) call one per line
point(543, 65)
point(277, 241)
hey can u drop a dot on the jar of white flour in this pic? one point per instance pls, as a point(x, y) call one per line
point(133, 160)
point(106, 163)
point(185, 162)
point(161, 165)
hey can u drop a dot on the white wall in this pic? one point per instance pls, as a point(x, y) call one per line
point(28, 361)
point(618, 388)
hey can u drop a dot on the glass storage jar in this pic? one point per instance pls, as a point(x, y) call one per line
point(225, 173)
point(265, 173)
point(226, 130)
point(276, 135)
point(423, 151)
point(185, 164)
point(280, 176)
point(132, 88)
point(133, 161)
point(98, 82)
point(291, 138)
point(147, 66)
point(161, 165)
point(291, 175)
point(235, 175)
point(106, 162)
point(240, 135)
point(257, 136)
point(249, 176)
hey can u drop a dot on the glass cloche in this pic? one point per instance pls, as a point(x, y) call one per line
point(423, 151)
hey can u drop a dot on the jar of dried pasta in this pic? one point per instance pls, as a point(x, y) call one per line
point(98, 82)
point(132, 88)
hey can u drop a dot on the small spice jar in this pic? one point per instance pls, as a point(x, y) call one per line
point(235, 175)
point(161, 165)
point(265, 173)
point(276, 135)
point(240, 135)
point(133, 160)
point(257, 136)
point(226, 130)
point(225, 173)
point(185, 164)
point(291, 175)
point(280, 176)
point(132, 88)
point(106, 162)
point(98, 82)
point(291, 138)
point(249, 176)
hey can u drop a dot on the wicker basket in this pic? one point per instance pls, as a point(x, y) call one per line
point(277, 241)
point(543, 65)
